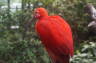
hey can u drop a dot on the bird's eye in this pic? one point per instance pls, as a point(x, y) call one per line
point(37, 11)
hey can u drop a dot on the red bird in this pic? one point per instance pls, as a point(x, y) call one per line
point(55, 34)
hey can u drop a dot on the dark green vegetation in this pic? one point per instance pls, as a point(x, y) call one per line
point(22, 45)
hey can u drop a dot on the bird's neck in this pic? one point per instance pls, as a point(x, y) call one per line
point(43, 17)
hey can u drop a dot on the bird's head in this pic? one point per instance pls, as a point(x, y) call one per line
point(88, 8)
point(40, 12)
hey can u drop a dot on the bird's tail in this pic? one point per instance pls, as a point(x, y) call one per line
point(62, 59)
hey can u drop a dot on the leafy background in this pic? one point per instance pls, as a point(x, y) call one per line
point(22, 45)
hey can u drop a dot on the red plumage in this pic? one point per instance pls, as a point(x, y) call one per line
point(55, 34)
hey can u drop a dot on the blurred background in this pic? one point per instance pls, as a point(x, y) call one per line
point(19, 42)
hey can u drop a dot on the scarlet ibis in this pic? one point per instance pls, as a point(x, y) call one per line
point(55, 34)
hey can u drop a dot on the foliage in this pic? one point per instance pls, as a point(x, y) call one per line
point(22, 45)
point(86, 53)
